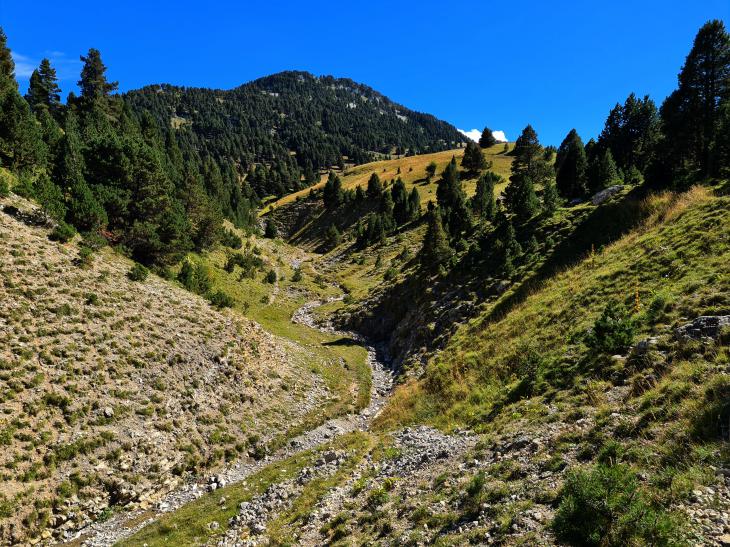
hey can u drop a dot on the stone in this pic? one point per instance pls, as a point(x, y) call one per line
point(704, 326)
point(603, 195)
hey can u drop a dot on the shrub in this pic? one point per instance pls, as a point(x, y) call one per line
point(138, 272)
point(194, 278)
point(220, 299)
point(4, 184)
point(613, 331)
point(62, 233)
point(297, 276)
point(271, 277)
point(605, 506)
point(270, 230)
point(86, 257)
point(231, 239)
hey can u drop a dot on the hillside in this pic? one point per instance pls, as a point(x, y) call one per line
point(117, 391)
point(292, 122)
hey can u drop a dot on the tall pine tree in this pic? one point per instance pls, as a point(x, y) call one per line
point(528, 168)
point(571, 167)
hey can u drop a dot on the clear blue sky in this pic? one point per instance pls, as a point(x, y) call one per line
point(556, 65)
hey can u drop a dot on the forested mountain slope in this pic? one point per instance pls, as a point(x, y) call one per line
point(291, 123)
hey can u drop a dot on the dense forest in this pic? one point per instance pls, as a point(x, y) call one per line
point(155, 171)
point(283, 129)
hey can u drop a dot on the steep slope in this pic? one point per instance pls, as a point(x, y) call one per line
point(113, 390)
point(290, 121)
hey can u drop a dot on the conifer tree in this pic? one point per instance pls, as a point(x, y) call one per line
point(375, 188)
point(571, 167)
point(43, 91)
point(7, 65)
point(332, 193)
point(529, 168)
point(473, 159)
point(451, 199)
point(483, 203)
point(550, 198)
point(602, 171)
point(84, 211)
point(93, 84)
point(414, 204)
point(691, 114)
point(487, 139)
point(431, 170)
point(435, 250)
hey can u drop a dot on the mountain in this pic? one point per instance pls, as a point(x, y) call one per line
point(292, 122)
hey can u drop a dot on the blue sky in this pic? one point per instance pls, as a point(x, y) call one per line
point(504, 64)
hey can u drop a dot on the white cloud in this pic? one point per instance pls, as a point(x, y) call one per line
point(474, 135)
point(66, 68)
point(24, 66)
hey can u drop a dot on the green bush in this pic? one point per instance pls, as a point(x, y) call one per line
point(138, 272)
point(195, 278)
point(220, 299)
point(605, 506)
point(4, 184)
point(231, 239)
point(271, 277)
point(62, 233)
point(613, 331)
point(297, 276)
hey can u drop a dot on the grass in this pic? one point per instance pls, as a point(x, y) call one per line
point(340, 361)
point(412, 171)
point(189, 524)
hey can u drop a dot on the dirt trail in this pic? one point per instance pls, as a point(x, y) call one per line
point(124, 525)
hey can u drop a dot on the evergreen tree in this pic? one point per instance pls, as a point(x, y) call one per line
point(84, 211)
point(359, 194)
point(473, 159)
point(93, 83)
point(435, 250)
point(401, 212)
point(332, 193)
point(691, 114)
point(7, 65)
point(43, 91)
point(571, 167)
point(333, 236)
point(631, 132)
point(487, 139)
point(431, 170)
point(550, 197)
point(482, 203)
point(375, 188)
point(414, 204)
point(602, 171)
point(528, 168)
point(451, 199)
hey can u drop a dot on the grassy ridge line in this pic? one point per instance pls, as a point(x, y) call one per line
point(412, 171)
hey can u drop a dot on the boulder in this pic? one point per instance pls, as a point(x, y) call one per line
point(603, 195)
point(705, 326)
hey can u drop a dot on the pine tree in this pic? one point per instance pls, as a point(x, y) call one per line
point(571, 167)
point(690, 115)
point(414, 204)
point(602, 171)
point(332, 193)
point(473, 159)
point(550, 198)
point(84, 211)
point(631, 132)
point(528, 168)
point(43, 91)
point(333, 236)
point(7, 65)
point(487, 139)
point(482, 203)
point(375, 188)
point(431, 170)
point(435, 250)
point(451, 199)
point(93, 83)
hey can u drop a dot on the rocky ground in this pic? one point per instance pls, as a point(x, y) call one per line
point(112, 390)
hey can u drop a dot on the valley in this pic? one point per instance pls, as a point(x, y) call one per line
point(296, 312)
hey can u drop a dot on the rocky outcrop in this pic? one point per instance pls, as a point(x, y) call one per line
point(705, 326)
